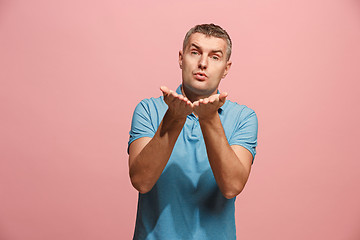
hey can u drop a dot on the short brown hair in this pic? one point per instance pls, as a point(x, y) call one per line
point(213, 31)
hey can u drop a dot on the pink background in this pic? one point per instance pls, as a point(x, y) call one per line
point(72, 72)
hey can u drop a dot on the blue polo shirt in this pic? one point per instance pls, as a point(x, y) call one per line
point(185, 202)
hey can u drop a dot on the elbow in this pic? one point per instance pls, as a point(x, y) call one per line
point(233, 192)
point(229, 195)
point(141, 188)
point(140, 185)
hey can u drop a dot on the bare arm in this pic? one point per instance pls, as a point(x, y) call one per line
point(231, 165)
point(149, 156)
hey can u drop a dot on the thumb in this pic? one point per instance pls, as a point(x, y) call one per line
point(222, 97)
point(165, 90)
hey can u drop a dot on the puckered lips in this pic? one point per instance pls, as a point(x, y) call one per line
point(201, 76)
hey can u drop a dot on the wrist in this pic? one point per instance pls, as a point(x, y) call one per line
point(209, 118)
point(175, 118)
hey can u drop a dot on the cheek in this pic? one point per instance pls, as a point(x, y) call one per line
point(186, 72)
point(187, 68)
point(221, 70)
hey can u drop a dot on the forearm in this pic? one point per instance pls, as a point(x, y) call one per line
point(147, 166)
point(229, 172)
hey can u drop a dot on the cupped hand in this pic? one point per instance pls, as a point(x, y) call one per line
point(178, 105)
point(208, 107)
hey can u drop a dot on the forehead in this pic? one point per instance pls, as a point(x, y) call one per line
point(207, 42)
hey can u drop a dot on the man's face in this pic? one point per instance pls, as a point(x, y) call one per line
point(203, 65)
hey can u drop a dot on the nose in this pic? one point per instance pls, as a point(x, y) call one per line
point(203, 62)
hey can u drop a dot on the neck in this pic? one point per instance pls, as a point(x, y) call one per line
point(193, 97)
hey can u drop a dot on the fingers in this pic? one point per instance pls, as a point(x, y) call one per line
point(214, 99)
point(175, 100)
point(196, 103)
point(169, 93)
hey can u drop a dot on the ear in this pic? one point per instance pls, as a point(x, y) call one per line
point(227, 68)
point(180, 58)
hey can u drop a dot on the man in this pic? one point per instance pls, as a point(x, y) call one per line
point(191, 150)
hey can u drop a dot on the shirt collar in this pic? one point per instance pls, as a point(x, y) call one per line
point(221, 109)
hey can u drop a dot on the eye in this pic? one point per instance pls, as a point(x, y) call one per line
point(215, 57)
point(194, 53)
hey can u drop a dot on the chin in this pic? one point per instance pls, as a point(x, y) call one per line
point(199, 87)
point(203, 91)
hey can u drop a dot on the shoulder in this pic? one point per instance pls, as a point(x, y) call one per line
point(155, 102)
point(151, 104)
point(239, 111)
point(241, 124)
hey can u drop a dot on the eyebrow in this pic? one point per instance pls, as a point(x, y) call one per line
point(213, 51)
point(194, 45)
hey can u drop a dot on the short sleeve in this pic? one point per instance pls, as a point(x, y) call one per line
point(245, 133)
point(141, 125)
